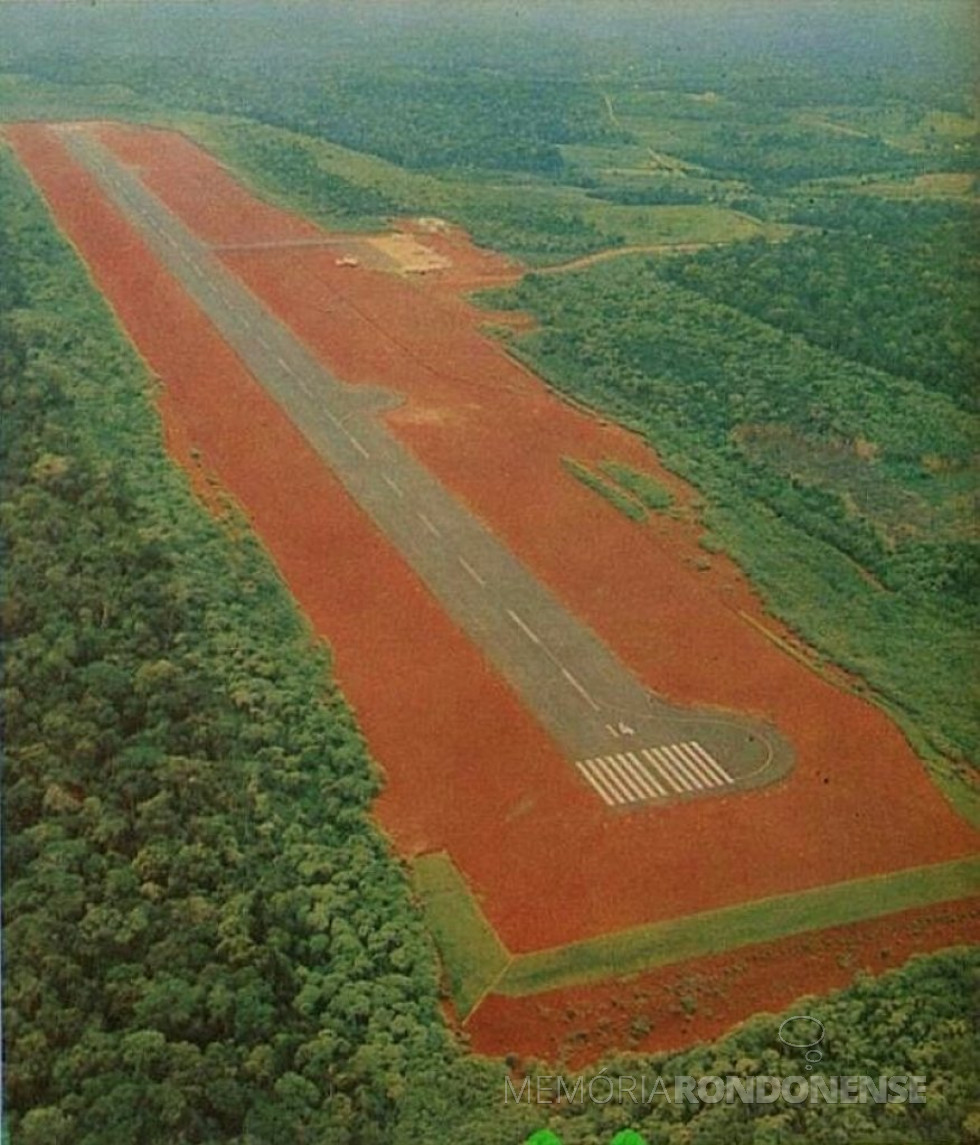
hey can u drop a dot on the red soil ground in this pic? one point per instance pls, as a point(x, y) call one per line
point(671, 1008)
point(467, 768)
point(199, 189)
point(496, 436)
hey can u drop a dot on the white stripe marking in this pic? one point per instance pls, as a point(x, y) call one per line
point(392, 485)
point(472, 571)
point(612, 731)
point(528, 632)
point(578, 688)
point(681, 764)
point(660, 767)
point(428, 524)
point(709, 758)
point(623, 770)
point(645, 775)
point(629, 762)
point(606, 765)
point(357, 445)
point(595, 766)
point(609, 802)
point(668, 764)
point(696, 765)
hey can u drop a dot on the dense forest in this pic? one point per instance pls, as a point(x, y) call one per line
point(902, 296)
point(509, 88)
point(544, 139)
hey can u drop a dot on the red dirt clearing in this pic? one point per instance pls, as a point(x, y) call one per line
point(858, 802)
point(470, 267)
point(468, 769)
point(665, 1010)
point(200, 190)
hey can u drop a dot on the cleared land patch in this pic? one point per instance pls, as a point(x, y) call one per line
point(408, 254)
point(448, 708)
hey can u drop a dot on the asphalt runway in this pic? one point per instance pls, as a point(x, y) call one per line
point(631, 748)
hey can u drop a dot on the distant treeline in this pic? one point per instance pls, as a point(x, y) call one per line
point(421, 119)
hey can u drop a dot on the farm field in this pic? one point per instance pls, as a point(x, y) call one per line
point(513, 805)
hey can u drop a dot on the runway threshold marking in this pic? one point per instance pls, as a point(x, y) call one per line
point(696, 765)
point(643, 771)
point(593, 782)
point(663, 771)
point(673, 770)
point(710, 759)
point(683, 767)
point(625, 777)
point(613, 784)
point(643, 789)
point(618, 763)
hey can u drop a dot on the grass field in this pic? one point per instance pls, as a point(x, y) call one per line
point(935, 185)
point(472, 955)
point(476, 962)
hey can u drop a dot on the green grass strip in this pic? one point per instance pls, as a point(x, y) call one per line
point(647, 490)
point(714, 932)
point(476, 961)
point(624, 502)
point(472, 953)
